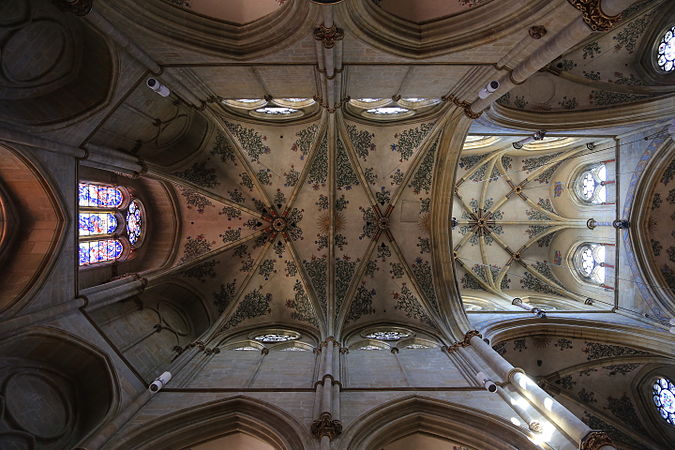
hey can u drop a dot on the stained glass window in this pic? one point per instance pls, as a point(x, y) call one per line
point(591, 185)
point(100, 251)
point(370, 348)
point(590, 262)
point(99, 196)
point(388, 335)
point(416, 346)
point(106, 226)
point(92, 224)
point(663, 395)
point(665, 53)
point(388, 111)
point(276, 111)
point(274, 337)
point(134, 222)
point(246, 348)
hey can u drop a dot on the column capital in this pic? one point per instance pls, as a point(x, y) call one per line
point(593, 16)
point(326, 426)
point(595, 440)
point(328, 35)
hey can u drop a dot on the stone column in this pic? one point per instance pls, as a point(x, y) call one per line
point(568, 423)
point(595, 16)
point(113, 291)
point(327, 425)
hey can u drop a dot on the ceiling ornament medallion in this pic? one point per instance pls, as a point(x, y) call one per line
point(593, 15)
point(481, 222)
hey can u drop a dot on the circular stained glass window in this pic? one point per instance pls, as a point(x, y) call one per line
point(663, 395)
point(135, 222)
point(665, 53)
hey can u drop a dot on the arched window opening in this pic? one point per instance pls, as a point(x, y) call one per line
point(111, 223)
point(589, 262)
point(591, 185)
point(665, 52)
point(663, 395)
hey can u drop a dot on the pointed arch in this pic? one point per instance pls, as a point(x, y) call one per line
point(416, 414)
point(216, 419)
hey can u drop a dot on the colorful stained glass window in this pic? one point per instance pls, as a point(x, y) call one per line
point(134, 222)
point(663, 395)
point(92, 224)
point(104, 250)
point(665, 52)
point(99, 196)
point(104, 227)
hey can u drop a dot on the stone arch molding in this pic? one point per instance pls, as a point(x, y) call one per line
point(415, 414)
point(216, 419)
point(55, 390)
point(640, 233)
point(423, 40)
point(54, 67)
point(218, 37)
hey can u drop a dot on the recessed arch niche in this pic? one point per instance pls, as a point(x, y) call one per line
point(35, 226)
point(54, 67)
point(404, 418)
point(220, 418)
point(56, 390)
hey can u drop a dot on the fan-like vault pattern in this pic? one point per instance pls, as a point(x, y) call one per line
point(507, 220)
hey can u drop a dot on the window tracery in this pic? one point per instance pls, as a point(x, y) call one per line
point(391, 108)
point(665, 52)
point(591, 185)
point(589, 262)
point(111, 223)
point(272, 108)
point(663, 395)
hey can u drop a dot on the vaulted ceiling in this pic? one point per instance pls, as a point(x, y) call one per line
point(316, 226)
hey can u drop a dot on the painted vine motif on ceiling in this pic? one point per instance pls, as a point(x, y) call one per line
point(289, 227)
point(661, 225)
point(506, 223)
point(598, 73)
point(594, 380)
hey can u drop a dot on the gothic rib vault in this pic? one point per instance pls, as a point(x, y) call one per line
point(320, 227)
point(336, 223)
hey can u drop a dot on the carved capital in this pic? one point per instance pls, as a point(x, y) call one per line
point(470, 334)
point(593, 15)
point(594, 440)
point(328, 35)
point(537, 31)
point(77, 7)
point(326, 426)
